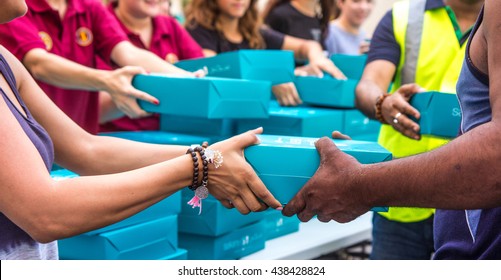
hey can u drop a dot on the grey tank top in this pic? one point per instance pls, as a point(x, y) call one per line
point(14, 242)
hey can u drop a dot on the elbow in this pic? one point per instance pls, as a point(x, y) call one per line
point(45, 231)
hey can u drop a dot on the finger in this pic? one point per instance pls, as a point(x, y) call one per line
point(323, 144)
point(260, 191)
point(199, 73)
point(248, 138)
point(138, 94)
point(335, 72)
point(316, 71)
point(338, 135)
point(240, 205)
point(300, 72)
point(130, 108)
point(323, 219)
point(305, 215)
point(408, 123)
point(227, 204)
point(295, 96)
point(296, 205)
point(290, 99)
point(407, 109)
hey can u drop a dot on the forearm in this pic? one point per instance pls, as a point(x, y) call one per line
point(108, 110)
point(61, 72)
point(126, 54)
point(81, 204)
point(104, 155)
point(458, 175)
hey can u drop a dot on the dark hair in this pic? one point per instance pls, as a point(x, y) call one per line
point(327, 12)
point(206, 14)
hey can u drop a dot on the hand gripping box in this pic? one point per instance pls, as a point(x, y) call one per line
point(276, 66)
point(440, 113)
point(168, 206)
point(158, 137)
point(215, 219)
point(326, 91)
point(208, 97)
point(151, 240)
point(233, 245)
point(285, 164)
point(297, 121)
point(351, 65)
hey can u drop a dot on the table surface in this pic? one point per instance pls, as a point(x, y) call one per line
point(315, 239)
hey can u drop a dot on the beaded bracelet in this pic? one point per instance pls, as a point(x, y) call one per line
point(201, 191)
point(377, 108)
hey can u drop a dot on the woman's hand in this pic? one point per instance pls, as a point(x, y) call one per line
point(397, 111)
point(286, 94)
point(234, 183)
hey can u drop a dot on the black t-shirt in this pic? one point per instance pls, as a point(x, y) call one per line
point(287, 20)
point(213, 40)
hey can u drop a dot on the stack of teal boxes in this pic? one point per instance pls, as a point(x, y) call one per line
point(218, 233)
point(148, 235)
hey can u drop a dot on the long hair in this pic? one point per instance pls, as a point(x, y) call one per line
point(324, 15)
point(206, 13)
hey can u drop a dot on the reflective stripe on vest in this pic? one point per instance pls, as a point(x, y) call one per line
point(434, 64)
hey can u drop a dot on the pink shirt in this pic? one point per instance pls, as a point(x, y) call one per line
point(168, 38)
point(86, 30)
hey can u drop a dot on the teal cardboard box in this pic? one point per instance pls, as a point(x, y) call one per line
point(180, 254)
point(276, 66)
point(277, 225)
point(440, 113)
point(214, 129)
point(360, 127)
point(208, 97)
point(351, 65)
point(215, 219)
point(158, 137)
point(146, 241)
point(231, 246)
point(297, 121)
point(285, 164)
point(327, 91)
point(168, 206)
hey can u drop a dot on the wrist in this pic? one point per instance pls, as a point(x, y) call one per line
point(378, 108)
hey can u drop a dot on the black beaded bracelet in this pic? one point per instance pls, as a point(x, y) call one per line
point(193, 153)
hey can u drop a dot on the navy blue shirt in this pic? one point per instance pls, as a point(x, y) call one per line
point(213, 40)
point(470, 234)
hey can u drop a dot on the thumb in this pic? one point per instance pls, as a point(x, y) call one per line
point(325, 146)
point(250, 137)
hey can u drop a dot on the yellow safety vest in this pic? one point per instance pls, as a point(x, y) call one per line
point(431, 56)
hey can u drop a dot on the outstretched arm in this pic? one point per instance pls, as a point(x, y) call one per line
point(460, 175)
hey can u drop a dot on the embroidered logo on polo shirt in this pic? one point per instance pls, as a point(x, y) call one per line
point(47, 40)
point(84, 36)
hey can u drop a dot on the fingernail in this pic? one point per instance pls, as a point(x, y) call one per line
point(156, 102)
point(279, 208)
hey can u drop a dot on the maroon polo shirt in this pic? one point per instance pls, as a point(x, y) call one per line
point(169, 38)
point(86, 30)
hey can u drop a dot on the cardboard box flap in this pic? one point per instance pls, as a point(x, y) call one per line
point(234, 98)
point(136, 236)
point(351, 65)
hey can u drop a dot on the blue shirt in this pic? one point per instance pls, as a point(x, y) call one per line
point(470, 234)
point(15, 243)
